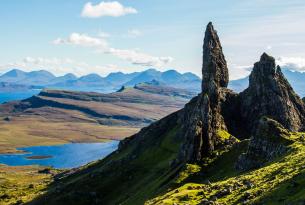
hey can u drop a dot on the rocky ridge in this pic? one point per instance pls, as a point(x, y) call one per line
point(218, 110)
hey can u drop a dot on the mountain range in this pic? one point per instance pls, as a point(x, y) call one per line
point(94, 82)
point(19, 80)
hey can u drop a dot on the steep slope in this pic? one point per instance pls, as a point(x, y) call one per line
point(176, 157)
point(280, 181)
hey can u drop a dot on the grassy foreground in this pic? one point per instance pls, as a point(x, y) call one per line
point(19, 185)
point(279, 182)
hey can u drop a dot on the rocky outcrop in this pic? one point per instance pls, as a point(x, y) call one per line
point(269, 141)
point(203, 118)
point(270, 94)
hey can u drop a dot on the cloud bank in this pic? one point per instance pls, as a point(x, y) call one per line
point(101, 45)
point(114, 9)
point(292, 63)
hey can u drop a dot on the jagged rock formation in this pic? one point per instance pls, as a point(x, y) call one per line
point(270, 94)
point(219, 109)
point(203, 116)
point(269, 141)
point(215, 72)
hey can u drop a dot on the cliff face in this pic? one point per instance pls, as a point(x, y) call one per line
point(203, 118)
point(270, 94)
point(215, 72)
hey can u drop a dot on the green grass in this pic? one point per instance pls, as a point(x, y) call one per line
point(22, 184)
point(278, 182)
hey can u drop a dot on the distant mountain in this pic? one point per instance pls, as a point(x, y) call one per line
point(94, 82)
point(41, 77)
point(14, 75)
point(145, 76)
point(114, 81)
point(120, 78)
point(296, 79)
point(171, 78)
point(157, 87)
point(239, 85)
point(91, 78)
point(65, 78)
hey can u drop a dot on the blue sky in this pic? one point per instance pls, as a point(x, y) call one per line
point(84, 37)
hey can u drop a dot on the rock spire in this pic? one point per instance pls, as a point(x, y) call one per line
point(203, 118)
point(214, 67)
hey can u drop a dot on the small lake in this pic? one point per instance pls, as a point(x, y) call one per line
point(10, 96)
point(60, 156)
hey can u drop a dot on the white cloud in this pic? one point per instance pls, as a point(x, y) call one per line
point(133, 33)
point(141, 59)
point(292, 63)
point(101, 46)
point(82, 40)
point(102, 34)
point(114, 9)
point(239, 71)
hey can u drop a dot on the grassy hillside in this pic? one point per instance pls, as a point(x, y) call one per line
point(21, 184)
point(278, 182)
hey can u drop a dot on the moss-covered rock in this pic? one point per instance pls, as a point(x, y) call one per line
point(270, 140)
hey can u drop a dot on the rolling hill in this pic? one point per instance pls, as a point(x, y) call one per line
point(67, 116)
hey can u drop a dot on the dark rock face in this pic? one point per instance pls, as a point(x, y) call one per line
point(215, 72)
point(270, 94)
point(203, 115)
point(269, 141)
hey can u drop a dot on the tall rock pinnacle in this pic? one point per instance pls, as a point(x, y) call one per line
point(203, 119)
point(214, 67)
